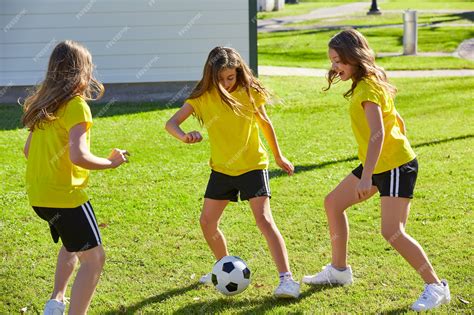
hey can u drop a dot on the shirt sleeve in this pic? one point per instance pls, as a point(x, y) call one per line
point(368, 92)
point(77, 111)
point(259, 98)
point(195, 104)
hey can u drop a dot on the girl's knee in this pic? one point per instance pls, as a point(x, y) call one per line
point(206, 222)
point(392, 234)
point(264, 223)
point(203, 221)
point(94, 256)
point(99, 256)
point(330, 203)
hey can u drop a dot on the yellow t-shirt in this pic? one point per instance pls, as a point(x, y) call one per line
point(396, 149)
point(51, 178)
point(236, 147)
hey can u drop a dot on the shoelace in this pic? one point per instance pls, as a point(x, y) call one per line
point(429, 290)
point(286, 281)
point(326, 274)
point(288, 285)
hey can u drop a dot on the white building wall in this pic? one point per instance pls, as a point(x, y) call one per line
point(130, 41)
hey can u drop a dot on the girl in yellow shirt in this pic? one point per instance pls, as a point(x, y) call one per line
point(59, 160)
point(389, 166)
point(229, 102)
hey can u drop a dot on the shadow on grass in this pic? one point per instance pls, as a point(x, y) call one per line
point(132, 309)
point(259, 305)
point(252, 306)
point(285, 34)
point(305, 168)
point(10, 115)
point(464, 16)
point(423, 21)
point(397, 311)
point(432, 20)
point(434, 142)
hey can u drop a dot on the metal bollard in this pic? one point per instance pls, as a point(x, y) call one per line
point(374, 9)
point(410, 32)
point(279, 5)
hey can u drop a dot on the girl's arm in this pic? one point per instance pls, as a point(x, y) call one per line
point(373, 114)
point(269, 133)
point(172, 125)
point(81, 156)
point(401, 122)
point(26, 149)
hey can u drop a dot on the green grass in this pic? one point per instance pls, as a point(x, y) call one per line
point(305, 7)
point(301, 8)
point(426, 5)
point(149, 209)
point(362, 19)
point(309, 48)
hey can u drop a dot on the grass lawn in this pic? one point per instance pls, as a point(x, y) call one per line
point(149, 209)
point(426, 5)
point(306, 6)
point(309, 48)
point(301, 8)
point(362, 19)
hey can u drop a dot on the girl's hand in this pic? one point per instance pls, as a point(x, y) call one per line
point(285, 165)
point(117, 157)
point(192, 137)
point(364, 187)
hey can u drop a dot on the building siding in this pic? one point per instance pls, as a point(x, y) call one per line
point(131, 41)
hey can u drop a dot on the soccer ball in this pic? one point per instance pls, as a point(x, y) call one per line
point(230, 275)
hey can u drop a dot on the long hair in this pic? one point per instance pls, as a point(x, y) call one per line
point(353, 49)
point(69, 74)
point(221, 58)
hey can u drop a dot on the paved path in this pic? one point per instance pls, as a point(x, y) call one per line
point(283, 28)
point(342, 10)
point(312, 72)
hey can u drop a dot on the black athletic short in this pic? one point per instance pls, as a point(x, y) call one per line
point(398, 182)
point(77, 227)
point(249, 185)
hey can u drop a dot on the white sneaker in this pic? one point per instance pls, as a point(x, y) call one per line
point(54, 307)
point(288, 288)
point(330, 275)
point(206, 279)
point(433, 296)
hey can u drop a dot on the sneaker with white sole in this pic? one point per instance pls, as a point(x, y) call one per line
point(330, 276)
point(206, 279)
point(433, 296)
point(287, 288)
point(54, 307)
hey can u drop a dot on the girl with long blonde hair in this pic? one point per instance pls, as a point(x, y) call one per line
point(59, 160)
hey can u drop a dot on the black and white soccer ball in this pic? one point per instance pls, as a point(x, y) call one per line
point(230, 275)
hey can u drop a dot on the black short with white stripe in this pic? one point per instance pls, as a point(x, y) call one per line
point(397, 182)
point(249, 185)
point(77, 227)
